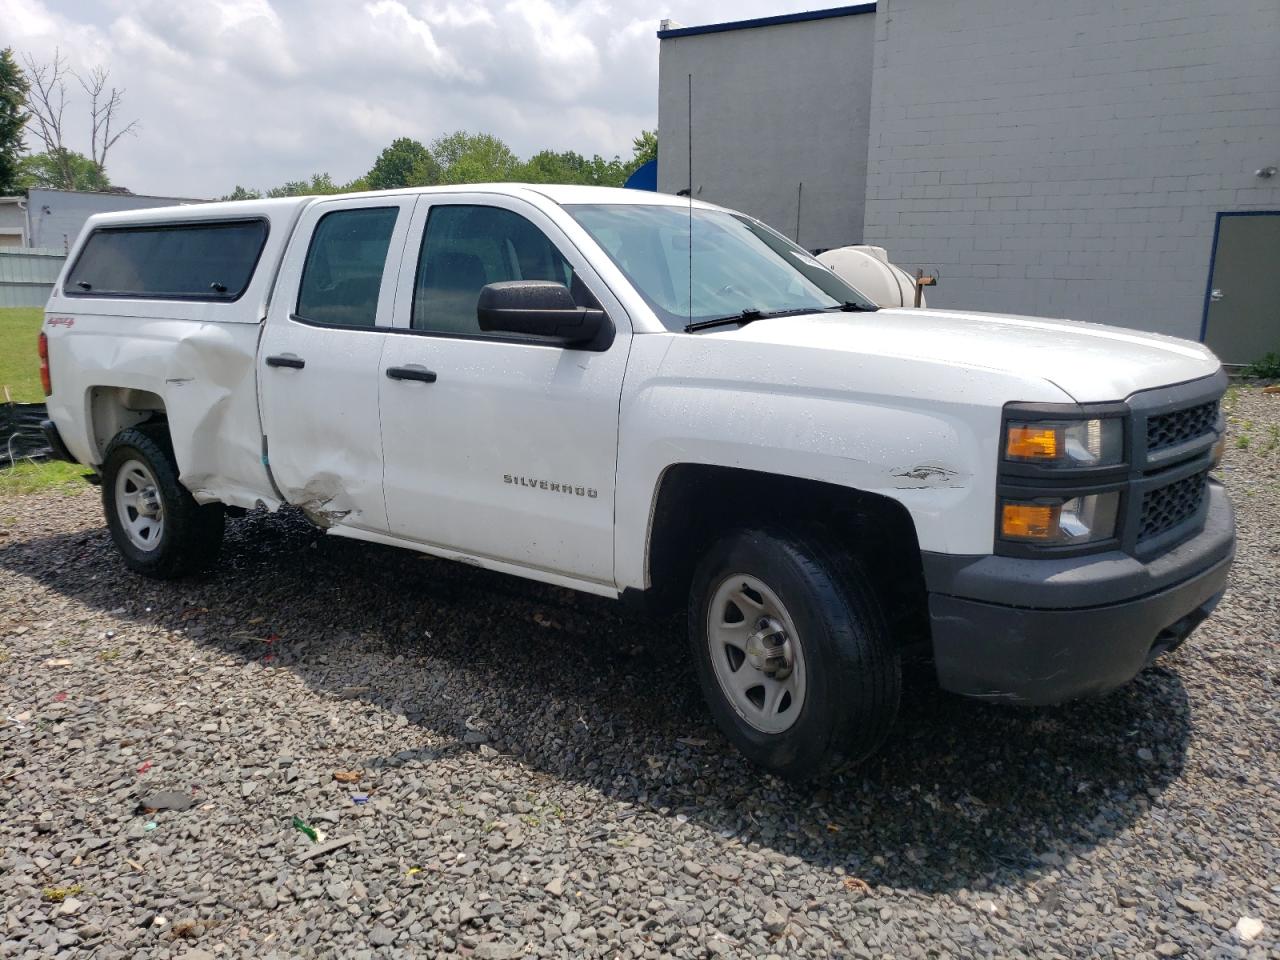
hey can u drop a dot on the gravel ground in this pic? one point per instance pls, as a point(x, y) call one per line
point(541, 777)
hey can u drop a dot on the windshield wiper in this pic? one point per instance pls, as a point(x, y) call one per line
point(852, 306)
point(745, 317)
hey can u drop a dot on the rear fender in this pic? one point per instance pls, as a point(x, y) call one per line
point(199, 376)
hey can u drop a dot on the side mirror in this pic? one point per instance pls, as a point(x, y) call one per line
point(537, 308)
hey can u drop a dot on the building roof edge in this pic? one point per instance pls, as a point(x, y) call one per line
point(785, 18)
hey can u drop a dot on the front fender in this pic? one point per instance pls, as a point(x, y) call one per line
point(923, 435)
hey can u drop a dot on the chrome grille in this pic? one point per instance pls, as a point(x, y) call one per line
point(1167, 507)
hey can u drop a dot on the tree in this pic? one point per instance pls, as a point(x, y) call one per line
point(462, 157)
point(474, 158)
point(551, 167)
point(104, 109)
point(606, 173)
point(571, 167)
point(644, 149)
point(13, 97)
point(46, 100)
point(320, 183)
point(64, 170)
point(406, 163)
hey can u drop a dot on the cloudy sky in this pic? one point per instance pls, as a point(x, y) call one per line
point(258, 92)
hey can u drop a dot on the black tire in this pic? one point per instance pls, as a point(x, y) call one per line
point(191, 535)
point(852, 669)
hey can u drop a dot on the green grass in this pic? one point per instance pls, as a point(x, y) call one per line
point(20, 373)
point(52, 476)
point(19, 365)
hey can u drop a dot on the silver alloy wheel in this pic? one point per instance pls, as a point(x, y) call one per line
point(138, 505)
point(756, 653)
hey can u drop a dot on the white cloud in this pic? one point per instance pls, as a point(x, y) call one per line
point(555, 45)
point(258, 92)
point(457, 15)
point(407, 39)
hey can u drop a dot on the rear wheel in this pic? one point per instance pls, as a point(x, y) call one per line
point(156, 524)
point(793, 653)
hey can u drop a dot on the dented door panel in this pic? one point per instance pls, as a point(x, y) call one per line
point(319, 380)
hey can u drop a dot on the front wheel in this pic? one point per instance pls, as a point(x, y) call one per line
point(794, 656)
point(156, 524)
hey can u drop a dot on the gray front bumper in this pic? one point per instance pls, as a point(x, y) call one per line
point(1046, 631)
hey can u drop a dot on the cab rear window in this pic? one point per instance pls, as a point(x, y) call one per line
point(178, 261)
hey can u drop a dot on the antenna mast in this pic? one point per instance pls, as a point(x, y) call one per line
point(799, 200)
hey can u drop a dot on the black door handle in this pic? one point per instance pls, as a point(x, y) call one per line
point(412, 373)
point(294, 363)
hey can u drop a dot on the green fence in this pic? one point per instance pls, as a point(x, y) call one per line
point(27, 275)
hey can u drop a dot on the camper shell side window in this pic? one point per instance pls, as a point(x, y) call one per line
point(212, 260)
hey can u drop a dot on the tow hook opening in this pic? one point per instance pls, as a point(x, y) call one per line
point(1171, 637)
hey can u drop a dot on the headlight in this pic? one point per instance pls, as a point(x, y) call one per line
point(1065, 443)
point(1086, 519)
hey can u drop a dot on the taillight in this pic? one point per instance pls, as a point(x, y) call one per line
point(45, 380)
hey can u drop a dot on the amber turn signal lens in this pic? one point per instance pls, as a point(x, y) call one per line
point(1031, 443)
point(1029, 521)
point(1219, 451)
point(45, 380)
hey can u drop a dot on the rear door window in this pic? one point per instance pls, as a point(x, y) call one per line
point(342, 277)
point(181, 261)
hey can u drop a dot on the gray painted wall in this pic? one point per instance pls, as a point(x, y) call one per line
point(1068, 157)
point(773, 107)
point(56, 216)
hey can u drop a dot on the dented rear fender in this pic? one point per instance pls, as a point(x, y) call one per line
point(110, 372)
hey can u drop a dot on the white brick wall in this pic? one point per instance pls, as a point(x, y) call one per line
point(1068, 157)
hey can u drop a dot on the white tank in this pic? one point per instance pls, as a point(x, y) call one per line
point(868, 270)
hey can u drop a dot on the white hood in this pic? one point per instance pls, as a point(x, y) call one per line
point(1090, 362)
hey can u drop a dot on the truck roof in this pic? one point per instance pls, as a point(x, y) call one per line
point(286, 207)
point(289, 207)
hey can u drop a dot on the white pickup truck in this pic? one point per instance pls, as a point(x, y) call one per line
point(664, 402)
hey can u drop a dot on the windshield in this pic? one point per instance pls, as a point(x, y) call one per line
point(735, 263)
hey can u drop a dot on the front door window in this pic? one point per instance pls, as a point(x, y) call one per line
point(468, 246)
